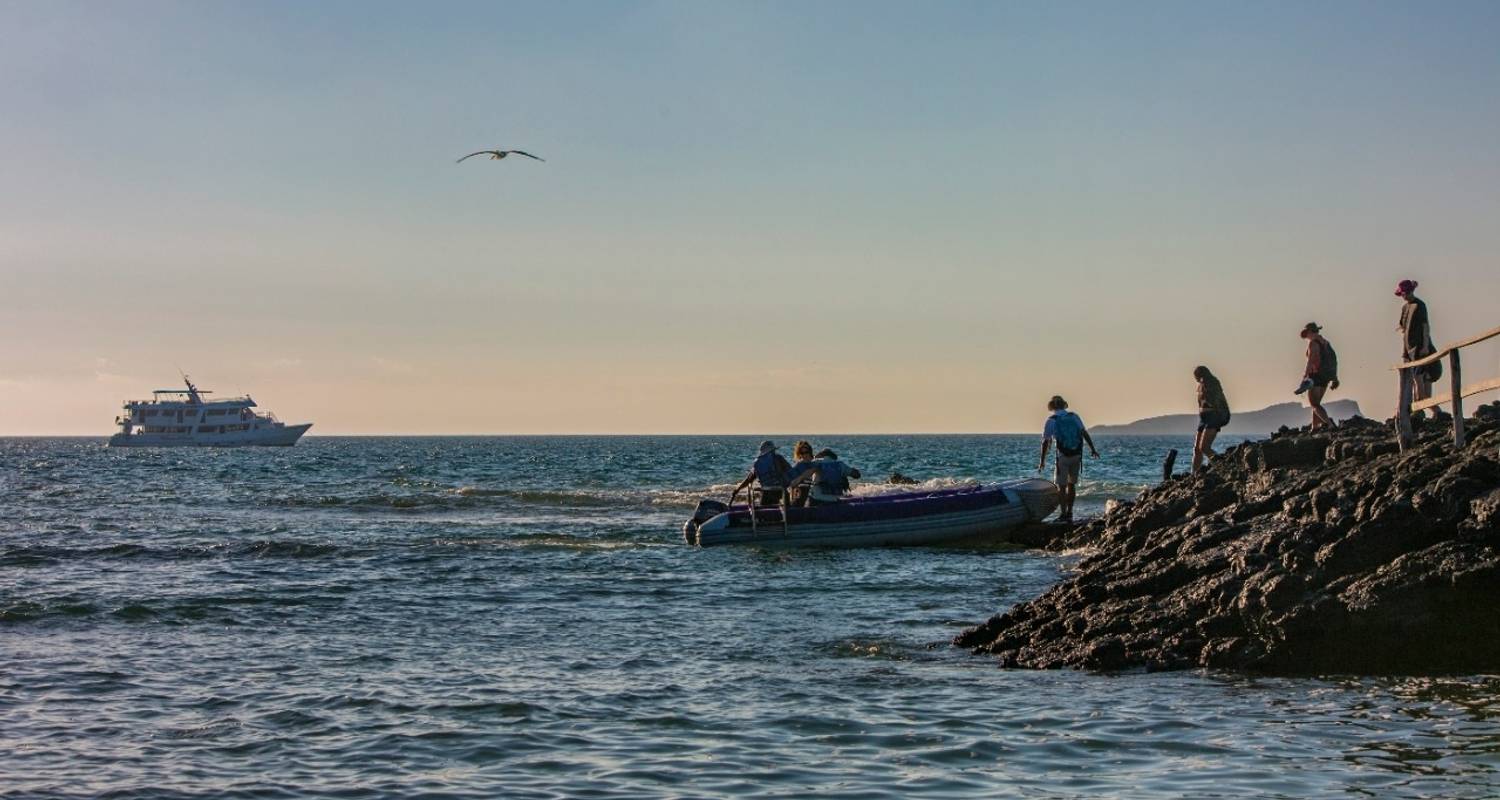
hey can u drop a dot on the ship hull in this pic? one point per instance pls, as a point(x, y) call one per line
point(284, 436)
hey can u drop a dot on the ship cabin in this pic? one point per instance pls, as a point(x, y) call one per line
point(187, 411)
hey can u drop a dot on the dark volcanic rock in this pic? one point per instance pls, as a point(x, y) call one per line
point(1305, 553)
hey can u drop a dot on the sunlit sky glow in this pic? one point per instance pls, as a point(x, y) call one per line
point(821, 217)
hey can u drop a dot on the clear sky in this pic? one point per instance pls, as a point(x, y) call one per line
point(755, 216)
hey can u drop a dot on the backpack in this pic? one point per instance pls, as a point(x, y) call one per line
point(1069, 430)
point(1328, 366)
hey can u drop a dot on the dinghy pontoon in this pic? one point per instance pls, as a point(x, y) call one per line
point(906, 518)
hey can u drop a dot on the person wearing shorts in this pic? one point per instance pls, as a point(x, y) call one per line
point(1213, 414)
point(1067, 429)
point(1320, 375)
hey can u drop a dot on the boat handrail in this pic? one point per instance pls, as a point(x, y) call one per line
point(750, 504)
point(215, 402)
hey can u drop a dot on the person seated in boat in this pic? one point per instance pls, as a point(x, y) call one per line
point(802, 461)
point(769, 470)
point(829, 478)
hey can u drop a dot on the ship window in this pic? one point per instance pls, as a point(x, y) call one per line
point(151, 413)
point(206, 428)
point(183, 429)
point(218, 412)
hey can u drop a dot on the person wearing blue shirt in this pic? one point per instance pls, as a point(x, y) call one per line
point(1067, 429)
point(770, 470)
point(829, 478)
point(802, 461)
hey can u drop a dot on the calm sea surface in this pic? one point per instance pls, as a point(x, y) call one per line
point(518, 617)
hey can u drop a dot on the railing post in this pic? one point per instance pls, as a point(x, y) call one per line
point(1455, 377)
point(1403, 408)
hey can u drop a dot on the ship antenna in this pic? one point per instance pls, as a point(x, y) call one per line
point(192, 390)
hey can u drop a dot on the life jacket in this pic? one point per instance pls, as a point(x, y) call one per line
point(1068, 429)
point(833, 478)
point(770, 470)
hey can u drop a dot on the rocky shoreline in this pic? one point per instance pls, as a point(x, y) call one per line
point(1305, 553)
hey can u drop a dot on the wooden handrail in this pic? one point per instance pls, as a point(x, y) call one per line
point(1468, 391)
point(1422, 362)
point(1405, 406)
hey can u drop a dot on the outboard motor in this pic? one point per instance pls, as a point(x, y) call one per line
point(706, 510)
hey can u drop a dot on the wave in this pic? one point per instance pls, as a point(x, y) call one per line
point(479, 497)
point(431, 498)
point(929, 485)
point(1109, 490)
point(549, 541)
point(45, 555)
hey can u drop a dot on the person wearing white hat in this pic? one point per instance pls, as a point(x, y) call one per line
point(769, 469)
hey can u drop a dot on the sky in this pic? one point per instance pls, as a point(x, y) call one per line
point(753, 217)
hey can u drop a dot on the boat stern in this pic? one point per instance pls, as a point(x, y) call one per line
point(706, 510)
point(1038, 495)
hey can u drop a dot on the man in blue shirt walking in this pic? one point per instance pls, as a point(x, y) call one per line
point(1065, 428)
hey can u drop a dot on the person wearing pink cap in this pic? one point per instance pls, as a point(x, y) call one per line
point(1416, 340)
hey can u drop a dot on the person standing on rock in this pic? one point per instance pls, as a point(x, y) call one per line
point(1067, 429)
point(1416, 340)
point(1321, 374)
point(1213, 414)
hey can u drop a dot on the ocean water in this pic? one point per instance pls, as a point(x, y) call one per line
point(519, 618)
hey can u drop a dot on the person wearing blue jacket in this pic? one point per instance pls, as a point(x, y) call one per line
point(769, 470)
point(1067, 429)
point(828, 475)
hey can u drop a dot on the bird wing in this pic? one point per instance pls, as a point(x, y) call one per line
point(524, 153)
point(480, 153)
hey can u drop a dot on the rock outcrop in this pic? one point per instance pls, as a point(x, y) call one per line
point(1306, 553)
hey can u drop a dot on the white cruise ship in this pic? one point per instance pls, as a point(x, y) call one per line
point(182, 418)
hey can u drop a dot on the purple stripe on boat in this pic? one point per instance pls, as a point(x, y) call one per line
point(906, 505)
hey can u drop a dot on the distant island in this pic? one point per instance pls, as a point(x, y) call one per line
point(1248, 423)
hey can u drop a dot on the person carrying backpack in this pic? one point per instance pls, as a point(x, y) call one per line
point(1416, 340)
point(1067, 429)
point(1321, 374)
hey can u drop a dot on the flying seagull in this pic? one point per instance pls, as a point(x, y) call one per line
point(496, 155)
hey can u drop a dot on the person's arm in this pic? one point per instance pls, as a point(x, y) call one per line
point(806, 477)
point(750, 478)
point(1090, 440)
point(854, 473)
point(1042, 464)
point(1314, 360)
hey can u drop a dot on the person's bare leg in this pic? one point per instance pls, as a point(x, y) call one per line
point(1320, 416)
point(1198, 451)
point(1421, 388)
point(1208, 437)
